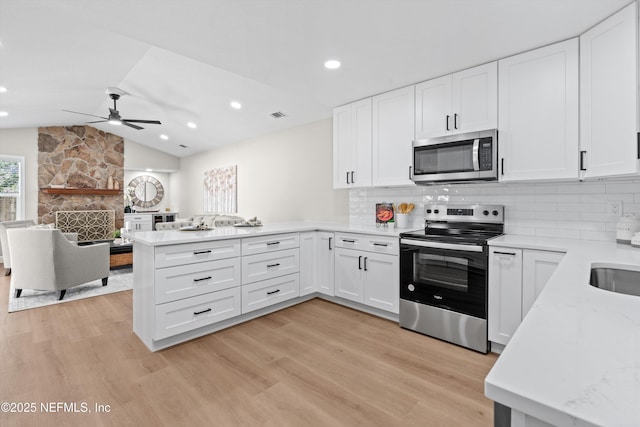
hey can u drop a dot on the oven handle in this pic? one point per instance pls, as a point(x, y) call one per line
point(440, 245)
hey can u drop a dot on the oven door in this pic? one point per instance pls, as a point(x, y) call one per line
point(449, 276)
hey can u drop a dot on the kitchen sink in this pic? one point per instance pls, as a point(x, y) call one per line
point(622, 279)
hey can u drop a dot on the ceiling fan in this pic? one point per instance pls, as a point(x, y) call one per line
point(114, 115)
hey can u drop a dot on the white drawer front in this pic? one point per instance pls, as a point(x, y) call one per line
point(276, 242)
point(270, 265)
point(189, 280)
point(185, 315)
point(268, 292)
point(189, 253)
point(382, 245)
point(350, 241)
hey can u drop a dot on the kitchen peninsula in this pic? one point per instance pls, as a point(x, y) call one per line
point(192, 283)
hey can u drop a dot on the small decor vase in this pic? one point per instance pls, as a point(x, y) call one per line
point(110, 183)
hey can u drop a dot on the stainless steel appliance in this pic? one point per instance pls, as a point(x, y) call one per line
point(443, 273)
point(456, 158)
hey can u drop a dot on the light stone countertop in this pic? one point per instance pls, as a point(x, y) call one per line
point(575, 359)
point(171, 237)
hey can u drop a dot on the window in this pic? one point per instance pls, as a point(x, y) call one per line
point(11, 188)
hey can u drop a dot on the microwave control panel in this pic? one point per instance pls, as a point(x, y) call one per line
point(485, 154)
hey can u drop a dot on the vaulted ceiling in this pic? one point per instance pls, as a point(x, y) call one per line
point(185, 61)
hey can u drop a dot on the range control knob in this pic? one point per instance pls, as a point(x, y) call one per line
point(437, 211)
point(495, 213)
point(411, 288)
point(485, 212)
point(428, 211)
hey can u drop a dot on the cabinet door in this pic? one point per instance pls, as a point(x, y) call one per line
point(325, 263)
point(349, 272)
point(475, 99)
point(393, 131)
point(539, 114)
point(608, 95)
point(352, 145)
point(537, 268)
point(381, 281)
point(308, 267)
point(433, 108)
point(505, 293)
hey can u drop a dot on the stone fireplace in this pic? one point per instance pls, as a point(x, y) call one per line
point(75, 164)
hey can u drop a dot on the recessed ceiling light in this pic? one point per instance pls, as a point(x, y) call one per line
point(332, 64)
point(192, 125)
point(163, 136)
point(3, 114)
point(149, 170)
point(236, 105)
point(3, 89)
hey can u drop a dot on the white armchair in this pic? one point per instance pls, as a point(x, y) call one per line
point(4, 244)
point(46, 260)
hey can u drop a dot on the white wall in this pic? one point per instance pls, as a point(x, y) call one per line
point(142, 157)
point(575, 210)
point(282, 176)
point(24, 142)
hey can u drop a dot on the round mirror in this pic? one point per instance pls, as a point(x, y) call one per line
point(146, 191)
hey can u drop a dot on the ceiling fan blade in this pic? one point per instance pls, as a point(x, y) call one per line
point(99, 121)
point(126, 123)
point(151, 122)
point(85, 114)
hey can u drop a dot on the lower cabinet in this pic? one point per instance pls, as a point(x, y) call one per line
point(367, 277)
point(268, 292)
point(516, 278)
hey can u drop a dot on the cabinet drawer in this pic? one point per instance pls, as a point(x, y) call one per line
point(369, 243)
point(185, 315)
point(270, 265)
point(276, 242)
point(268, 292)
point(189, 253)
point(186, 281)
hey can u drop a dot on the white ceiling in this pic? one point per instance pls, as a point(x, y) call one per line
point(185, 60)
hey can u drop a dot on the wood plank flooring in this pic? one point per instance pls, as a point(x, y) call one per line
point(315, 364)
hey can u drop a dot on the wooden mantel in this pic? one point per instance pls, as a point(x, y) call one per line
point(81, 191)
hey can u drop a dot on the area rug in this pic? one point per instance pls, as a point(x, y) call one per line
point(119, 280)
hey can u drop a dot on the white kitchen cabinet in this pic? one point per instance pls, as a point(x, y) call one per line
point(505, 293)
point(516, 278)
point(393, 133)
point(138, 222)
point(538, 118)
point(308, 267)
point(537, 268)
point(352, 129)
point(325, 262)
point(466, 101)
point(369, 274)
point(609, 96)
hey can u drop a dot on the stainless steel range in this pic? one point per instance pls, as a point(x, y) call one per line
point(443, 273)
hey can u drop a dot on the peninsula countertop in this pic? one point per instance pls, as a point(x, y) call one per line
point(575, 359)
point(171, 237)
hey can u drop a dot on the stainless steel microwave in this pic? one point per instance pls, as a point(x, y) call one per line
point(456, 158)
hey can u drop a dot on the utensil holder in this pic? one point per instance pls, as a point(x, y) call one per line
point(403, 220)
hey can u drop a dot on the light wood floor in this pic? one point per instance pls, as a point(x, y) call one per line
point(313, 364)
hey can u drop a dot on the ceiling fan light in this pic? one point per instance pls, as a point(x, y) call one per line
point(114, 122)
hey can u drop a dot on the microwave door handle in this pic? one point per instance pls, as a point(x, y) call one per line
point(476, 154)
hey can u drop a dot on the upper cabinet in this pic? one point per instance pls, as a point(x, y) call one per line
point(352, 145)
point(466, 101)
point(608, 96)
point(538, 119)
point(393, 114)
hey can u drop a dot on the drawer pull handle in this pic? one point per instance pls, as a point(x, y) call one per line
point(381, 244)
point(505, 253)
point(273, 292)
point(348, 241)
point(195, 313)
point(273, 265)
point(272, 243)
point(201, 252)
point(203, 279)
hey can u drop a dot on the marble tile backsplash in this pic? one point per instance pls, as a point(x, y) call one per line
point(575, 210)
